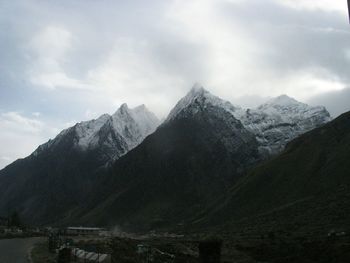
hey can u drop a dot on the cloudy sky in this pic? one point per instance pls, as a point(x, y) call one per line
point(66, 61)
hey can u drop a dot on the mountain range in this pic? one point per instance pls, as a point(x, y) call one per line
point(130, 170)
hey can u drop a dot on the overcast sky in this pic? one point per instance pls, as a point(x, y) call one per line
point(66, 61)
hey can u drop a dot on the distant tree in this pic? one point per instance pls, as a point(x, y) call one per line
point(15, 219)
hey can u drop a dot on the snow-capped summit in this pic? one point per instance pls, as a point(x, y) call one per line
point(111, 135)
point(198, 97)
point(130, 126)
point(286, 107)
point(291, 110)
point(282, 119)
point(146, 119)
point(123, 108)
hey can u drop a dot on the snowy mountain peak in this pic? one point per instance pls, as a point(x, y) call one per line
point(289, 108)
point(114, 135)
point(196, 98)
point(124, 106)
point(197, 91)
point(284, 100)
point(123, 109)
point(139, 114)
point(282, 119)
point(131, 125)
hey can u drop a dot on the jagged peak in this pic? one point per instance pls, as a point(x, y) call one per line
point(123, 108)
point(287, 107)
point(139, 120)
point(136, 112)
point(198, 94)
point(142, 112)
point(196, 91)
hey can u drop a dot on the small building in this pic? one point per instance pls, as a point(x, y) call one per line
point(84, 231)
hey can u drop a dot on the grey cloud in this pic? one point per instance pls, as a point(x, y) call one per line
point(293, 39)
point(336, 102)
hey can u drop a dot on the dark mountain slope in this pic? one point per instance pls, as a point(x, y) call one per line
point(178, 170)
point(45, 187)
point(56, 179)
point(306, 186)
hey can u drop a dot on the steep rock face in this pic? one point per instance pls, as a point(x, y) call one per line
point(60, 174)
point(280, 120)
point(194, 156)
